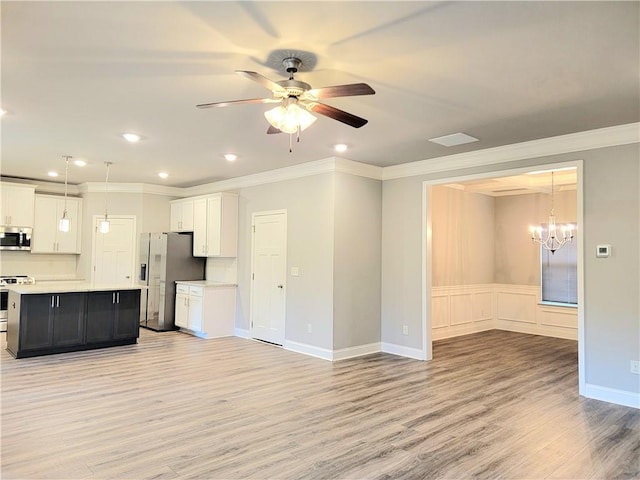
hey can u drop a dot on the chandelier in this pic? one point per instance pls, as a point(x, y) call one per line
point(548, 236)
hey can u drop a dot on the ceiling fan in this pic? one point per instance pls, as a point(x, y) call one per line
point(292, 94)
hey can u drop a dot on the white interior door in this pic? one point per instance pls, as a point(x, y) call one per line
point(113, 251)
point(268, 286)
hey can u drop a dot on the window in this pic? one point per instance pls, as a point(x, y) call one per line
point(559, 274)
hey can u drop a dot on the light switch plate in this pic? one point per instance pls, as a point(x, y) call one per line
point(603, 251)
point(295, 272)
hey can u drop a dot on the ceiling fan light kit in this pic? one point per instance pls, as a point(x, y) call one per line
point(296, 99)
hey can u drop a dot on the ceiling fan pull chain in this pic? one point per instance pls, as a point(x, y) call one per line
point(291, 143)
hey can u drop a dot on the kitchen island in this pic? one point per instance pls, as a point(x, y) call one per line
point(65, 317)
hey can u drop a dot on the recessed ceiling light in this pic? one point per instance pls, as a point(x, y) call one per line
point(131, 137)
point(454, 139)
point(163, 175)
point(79, 162)
point(230, 157)
point(52, 174)
point(2, 111)
point(340, 147)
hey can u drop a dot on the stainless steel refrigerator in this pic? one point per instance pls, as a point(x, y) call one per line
point(165, 258)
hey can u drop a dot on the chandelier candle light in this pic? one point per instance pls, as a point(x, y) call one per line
point(104, 224)
point(64, 223)
point(549, 239)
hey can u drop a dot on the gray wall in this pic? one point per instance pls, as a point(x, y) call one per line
point(517, 258)
point(611, 209)
point(612, 285)
point(463, 226)
point(151, 212)
point(309, 205)
point(356, 276)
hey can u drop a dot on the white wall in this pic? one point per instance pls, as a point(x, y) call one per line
point(463, 225)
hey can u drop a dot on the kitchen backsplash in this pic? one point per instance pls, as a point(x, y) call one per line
point(40, 266)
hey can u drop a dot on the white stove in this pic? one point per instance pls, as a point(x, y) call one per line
point(6, 280)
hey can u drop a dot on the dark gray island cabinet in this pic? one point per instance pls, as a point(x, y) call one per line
point(42, 321)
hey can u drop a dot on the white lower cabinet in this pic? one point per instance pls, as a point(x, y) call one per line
point(206, 310)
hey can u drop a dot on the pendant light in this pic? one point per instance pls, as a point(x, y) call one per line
point(64, 223)
point(548, 237)
point(104, 224)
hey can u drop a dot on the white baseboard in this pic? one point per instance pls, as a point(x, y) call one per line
point(241, 332)
point(612, 395)
point(331, 355)
point(311, 350)
point(358, 351)
point(533, 329)
point(403, 351)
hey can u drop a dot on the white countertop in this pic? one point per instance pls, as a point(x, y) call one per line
point(205, 283)
point(64, 287)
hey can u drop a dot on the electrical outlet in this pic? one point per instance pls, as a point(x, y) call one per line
point(405, 330)
point(309, 328)
point(635, 367)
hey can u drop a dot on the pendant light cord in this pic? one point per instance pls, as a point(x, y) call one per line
point(106, 191)
point(66, 178)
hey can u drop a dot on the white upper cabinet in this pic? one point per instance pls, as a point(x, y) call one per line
point(46, 236)
point(215, 232)
point(182, 216)
point(16, 206)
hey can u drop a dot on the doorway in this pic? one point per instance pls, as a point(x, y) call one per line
point(113, 258)
point(268, 277)
point(428, 260)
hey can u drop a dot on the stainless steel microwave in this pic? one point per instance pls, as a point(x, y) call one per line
point(15, 238)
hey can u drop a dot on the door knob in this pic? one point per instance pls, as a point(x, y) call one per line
point(280, 286)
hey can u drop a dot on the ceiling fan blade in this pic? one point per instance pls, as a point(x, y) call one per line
point(238, 102)
point(272, 130)
point(262, 80)
point(341, 91)
point(337, 114)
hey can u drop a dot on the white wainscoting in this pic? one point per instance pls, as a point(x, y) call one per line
point(464, 309)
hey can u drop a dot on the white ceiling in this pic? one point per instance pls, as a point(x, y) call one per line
point(75, 75)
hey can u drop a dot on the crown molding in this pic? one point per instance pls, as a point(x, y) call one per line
point(99, 187)
point(573, 142)
point(42, 186)
point(344, 165)
point(325, 165)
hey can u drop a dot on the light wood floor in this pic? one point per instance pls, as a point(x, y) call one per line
point(491, 405)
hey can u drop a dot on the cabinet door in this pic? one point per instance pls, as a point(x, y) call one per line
point(182, 310)
point(45, 225)
point(200, 227)
point(36, 321)
point(176, 217)
point(68, 319)
point(127, 319)
point(17, 205)
point(214, 225)
point(100, 313)
point(195, 314)
point(187, 216)
point(67, 242)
